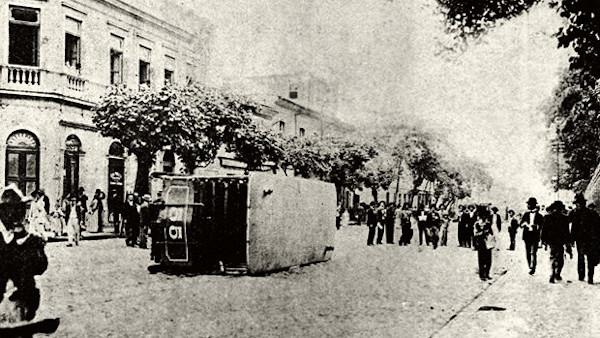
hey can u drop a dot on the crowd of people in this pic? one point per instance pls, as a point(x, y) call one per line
point(553, 227)
point(70, 215)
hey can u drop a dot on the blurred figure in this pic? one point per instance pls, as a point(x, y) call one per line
point(555, 234)
point(97, 211)
point(512, 228)
point(586, 235)
point(82, 208)
point(22, 255)
point(531, 223)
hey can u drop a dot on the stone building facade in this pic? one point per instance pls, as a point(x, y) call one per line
point(56, 60)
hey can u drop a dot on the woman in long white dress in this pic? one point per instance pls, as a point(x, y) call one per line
point(38, 217)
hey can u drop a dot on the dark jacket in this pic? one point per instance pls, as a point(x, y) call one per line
point(514, 226)
point(585, 230)
point(533, 234)
point(556, 229)
point(371, 216)
point(483, 229)
point(130, 214)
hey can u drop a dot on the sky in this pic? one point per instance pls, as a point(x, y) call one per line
point(388, 58)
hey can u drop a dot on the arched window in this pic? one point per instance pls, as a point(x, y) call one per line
point(116, 149)
point(168, 161)
point(22, 161)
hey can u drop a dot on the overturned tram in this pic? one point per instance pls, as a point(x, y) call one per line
point(254, 224)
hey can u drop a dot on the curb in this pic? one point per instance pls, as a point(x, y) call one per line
point(88, 237)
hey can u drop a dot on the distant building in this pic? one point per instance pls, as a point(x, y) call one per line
point(57, 58)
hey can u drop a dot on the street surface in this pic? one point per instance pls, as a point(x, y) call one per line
point(103, 289)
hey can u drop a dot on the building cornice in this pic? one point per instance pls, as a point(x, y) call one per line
point(77, 125)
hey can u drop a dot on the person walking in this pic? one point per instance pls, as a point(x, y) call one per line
point(131, 217)
point(37, 217)
point(531, 223)
point(381, 217)
point(483, 242)
point(555, 234)
point(512, 228)
point(585, 233)
point(390, 217)
point(371, 223)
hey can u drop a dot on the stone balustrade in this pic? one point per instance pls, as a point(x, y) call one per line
point(32, 80)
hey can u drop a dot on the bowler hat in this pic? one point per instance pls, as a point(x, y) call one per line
point(579, 198)
point(532, 200)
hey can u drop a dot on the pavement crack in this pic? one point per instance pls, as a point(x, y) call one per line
point(467, 304)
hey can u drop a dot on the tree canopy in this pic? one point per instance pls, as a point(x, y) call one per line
point(193, 121)
point(574, 107)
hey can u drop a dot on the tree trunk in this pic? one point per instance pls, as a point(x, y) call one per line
point(142, 182)
point(374, 193)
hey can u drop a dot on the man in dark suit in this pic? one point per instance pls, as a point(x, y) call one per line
point(555, 234)
point(496, 219)
point(585, 231)
point(512, 229)
point(531, 223)
point(371, 222)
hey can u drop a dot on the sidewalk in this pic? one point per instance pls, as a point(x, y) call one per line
point(520, 305)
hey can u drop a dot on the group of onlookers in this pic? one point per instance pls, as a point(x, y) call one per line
point(383, 218)
point(138, 215)
point(559, 231)
point(70, 215)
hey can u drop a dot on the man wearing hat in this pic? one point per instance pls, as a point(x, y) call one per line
point(585, 232)
point(22, 255)
point(531, 222)
point(145, 220)
point(555, 234)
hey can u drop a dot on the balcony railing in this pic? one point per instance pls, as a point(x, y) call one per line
point(33, 80)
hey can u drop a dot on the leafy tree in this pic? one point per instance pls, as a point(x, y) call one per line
point(194, 121)
point(416, 152)
point(380, 173)
point(331, 159)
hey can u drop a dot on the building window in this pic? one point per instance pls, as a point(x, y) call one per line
point(73, 44)
point(116, 59)
point(168, 161)
point(22, 161)
point(293, 91)
point(169, 69)
point(168, 76)
point(144, 71)
point(301, 132)
point(282, 126)
point(23, 32)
